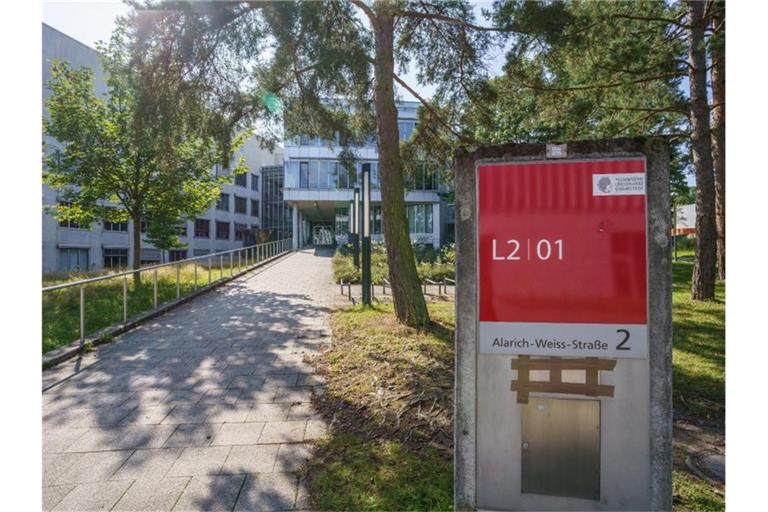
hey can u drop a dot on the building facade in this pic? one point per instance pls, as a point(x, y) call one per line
point(319, 191)
point(69, 247)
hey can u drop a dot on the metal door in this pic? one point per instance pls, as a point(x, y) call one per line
point(561, 448)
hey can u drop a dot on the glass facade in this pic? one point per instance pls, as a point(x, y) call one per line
point(276, 215)
point(419, 219)
point(73, 259)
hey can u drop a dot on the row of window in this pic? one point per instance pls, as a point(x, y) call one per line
point(419, 219)
point(203, 229)
point(241, 205)
point(241, 180)
point(405, 128)
point(330, 174)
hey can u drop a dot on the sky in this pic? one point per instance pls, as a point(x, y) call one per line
point(92, 21)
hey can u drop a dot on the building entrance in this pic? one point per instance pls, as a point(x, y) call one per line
point(322, 235)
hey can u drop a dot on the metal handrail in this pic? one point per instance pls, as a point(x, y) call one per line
point(258, 254)
point(155, 267)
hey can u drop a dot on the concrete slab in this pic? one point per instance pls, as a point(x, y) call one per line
point(147, 464)
point(283, 432)
point(211, 494)
point(94, 496)
point(238, 433)
point(199, 461)
point(153, 494)
point(93, 467)
point(193, 435)
point(251, 459)
point(275, 491)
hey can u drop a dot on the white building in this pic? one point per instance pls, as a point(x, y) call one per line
point(68, 246)
point(320, 192)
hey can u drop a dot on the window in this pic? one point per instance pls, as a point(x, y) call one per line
point(222, 230)
point(202, 228)
point(116, 226)
point(240, 231)
point(304, 174)
point(72, 259)
point(223, 202)
point(183, 229)
point(144, 225)
point(241, 205)
point(419, 218)
point(342, 220)
point(255, 182)
point(254, 208)
point(405, 127)
point(115, 258)
point(71, 224)
point(177, 254)
point(241, 180)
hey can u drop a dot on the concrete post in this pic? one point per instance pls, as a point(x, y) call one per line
point(478, 485)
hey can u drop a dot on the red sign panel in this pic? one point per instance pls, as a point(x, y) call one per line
point(562, 258)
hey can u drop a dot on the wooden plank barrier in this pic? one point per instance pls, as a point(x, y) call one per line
point(555, 365)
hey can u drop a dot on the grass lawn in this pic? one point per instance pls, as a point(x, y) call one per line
point(104, 300)
point(390, 390)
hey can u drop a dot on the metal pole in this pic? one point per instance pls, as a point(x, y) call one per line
point(356, 222)
point(209, 270)
point(154, 287)
point(221, 266)
point(366, 232)
point(239, 260)
point(82, 315)
point(195, 268)
point(178, 284)
point(125, 299)
point(231, 264)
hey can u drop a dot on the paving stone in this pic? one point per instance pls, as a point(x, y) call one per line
point(229, 413)
point(199, 461)
point(264, 395)
point(315, 430)
point(283, 432)
point(144, 464)
point(193, 435)
point(121, 438)
point(221, 395)
point(303, 412)
point(93, 467)
point(238, 433)
point(292, 456)
point(294, 395)
point(187, 414)
point(95, 496)
point(275, 491)
point(268, 412)
point(53, 494)
point(147, 415)
point(251, 459)
point(210, 494)
point(311, 379)
point(59, 439)
point(155, 494)
point(86, 417)
point(54, 464)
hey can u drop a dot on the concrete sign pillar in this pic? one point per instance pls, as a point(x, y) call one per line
point(563, 327)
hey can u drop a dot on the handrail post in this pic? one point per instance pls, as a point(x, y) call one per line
point(231, 264)
point(82, 315)
point(195, 272)
point(221, 266)
point(125, 299)
point(154, 287)
point(178, 283)
point(239, 260)
point(209, 271)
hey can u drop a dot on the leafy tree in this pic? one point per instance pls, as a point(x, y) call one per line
point(717, 55)
point(334, 65)
point(138, 147)
point(163, 233)
point(606, 69)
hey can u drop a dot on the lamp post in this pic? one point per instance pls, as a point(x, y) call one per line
point(354, 217)
point(366, 233)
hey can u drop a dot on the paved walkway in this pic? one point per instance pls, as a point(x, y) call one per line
point(204, 408)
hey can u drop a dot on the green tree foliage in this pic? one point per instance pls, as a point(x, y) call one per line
point(139, 147)
point(333, 64)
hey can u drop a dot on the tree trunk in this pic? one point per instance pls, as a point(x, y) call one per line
point(136, 256)
point(718, 134)
point(410, 307)
point(704, 268)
